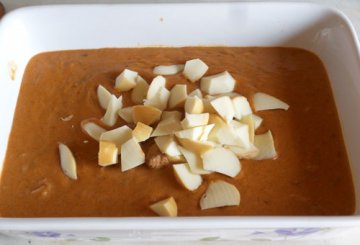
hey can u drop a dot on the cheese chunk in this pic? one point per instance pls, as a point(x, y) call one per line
point(195, 69)
point(166, 207)
point(131, 155)
point(218, 83)
point(126, 80)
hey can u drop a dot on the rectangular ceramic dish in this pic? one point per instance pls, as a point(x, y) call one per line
point(324, 31)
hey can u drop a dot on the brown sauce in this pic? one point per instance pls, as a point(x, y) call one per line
point(311, 175)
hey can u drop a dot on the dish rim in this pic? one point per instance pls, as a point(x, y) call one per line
point(199, 222)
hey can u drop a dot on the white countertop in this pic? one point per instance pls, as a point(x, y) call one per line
point(350, 7)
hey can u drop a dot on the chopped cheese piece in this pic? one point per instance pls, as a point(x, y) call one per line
point(166, 207)
point(195, 69)
point(146, 114)
point(142, 132)
point(108, 153)
point(126, 80)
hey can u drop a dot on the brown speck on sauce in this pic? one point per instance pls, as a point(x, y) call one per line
point(311, 175)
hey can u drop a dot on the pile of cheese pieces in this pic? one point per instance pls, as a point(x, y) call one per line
point(217, 130)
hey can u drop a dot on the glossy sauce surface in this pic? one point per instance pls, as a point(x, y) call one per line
point(311, 175)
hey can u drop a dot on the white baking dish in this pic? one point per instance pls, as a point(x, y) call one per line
point(325, 31)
